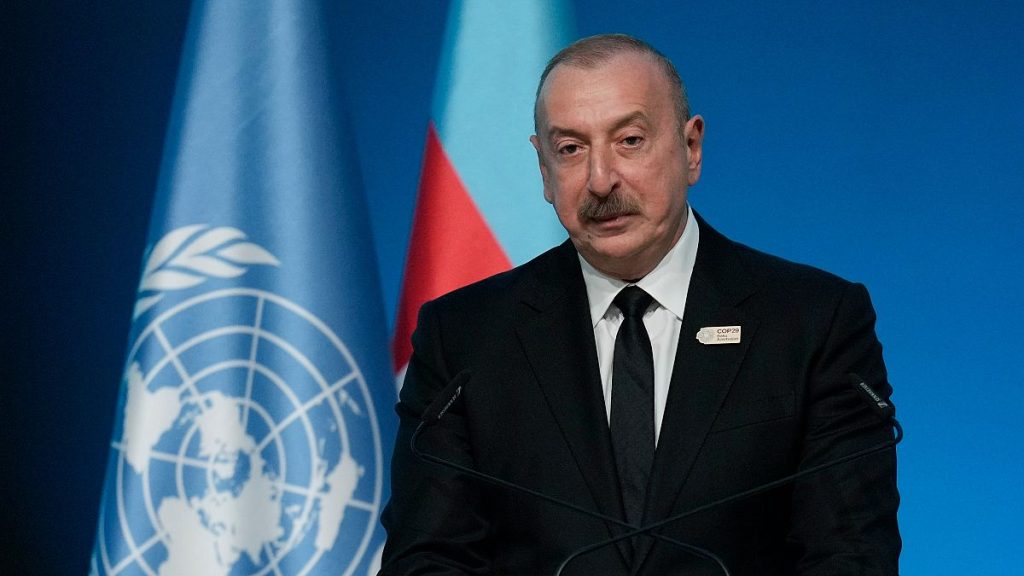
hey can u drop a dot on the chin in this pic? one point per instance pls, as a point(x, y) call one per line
point(620, 248)
point(618, 261)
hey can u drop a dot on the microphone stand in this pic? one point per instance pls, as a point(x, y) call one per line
point(696, 550)
point(739, 496)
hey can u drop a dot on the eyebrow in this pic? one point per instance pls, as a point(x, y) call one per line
point(637, 117)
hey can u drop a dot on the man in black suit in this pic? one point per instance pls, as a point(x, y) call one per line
point(643, 368)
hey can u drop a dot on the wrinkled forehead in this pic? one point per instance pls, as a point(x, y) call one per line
point(627, 73)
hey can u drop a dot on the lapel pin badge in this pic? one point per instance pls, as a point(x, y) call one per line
point(719, 335)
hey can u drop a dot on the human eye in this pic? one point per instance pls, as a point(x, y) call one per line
point(568, 149)
point(633, 141)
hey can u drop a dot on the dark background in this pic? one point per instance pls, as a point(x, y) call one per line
point(880, 140)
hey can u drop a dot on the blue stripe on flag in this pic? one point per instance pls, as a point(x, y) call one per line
point(483, 109)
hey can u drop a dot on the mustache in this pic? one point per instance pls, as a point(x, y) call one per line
point(614, 204)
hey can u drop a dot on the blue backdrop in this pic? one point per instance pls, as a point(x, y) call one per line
point(879, 140)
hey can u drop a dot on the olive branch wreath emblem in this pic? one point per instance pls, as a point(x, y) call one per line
point(190, 255)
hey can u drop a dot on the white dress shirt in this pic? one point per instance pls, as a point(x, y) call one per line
point(668, 284)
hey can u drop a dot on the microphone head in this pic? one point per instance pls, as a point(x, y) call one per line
point(881, 406)
point(444, 400)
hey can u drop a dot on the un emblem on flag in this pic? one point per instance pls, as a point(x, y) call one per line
point(249, 445)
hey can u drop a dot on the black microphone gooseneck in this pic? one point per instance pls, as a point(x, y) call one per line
point(440, 406)
point(882, 408)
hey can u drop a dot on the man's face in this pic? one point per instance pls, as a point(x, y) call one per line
point(615, 164)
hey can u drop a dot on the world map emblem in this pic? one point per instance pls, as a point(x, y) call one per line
point(249, 444)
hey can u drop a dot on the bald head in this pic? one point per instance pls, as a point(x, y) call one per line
point(594, 51)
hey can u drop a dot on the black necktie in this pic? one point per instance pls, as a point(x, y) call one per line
point(632, 420)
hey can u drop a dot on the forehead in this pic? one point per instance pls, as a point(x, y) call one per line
point(624, 84)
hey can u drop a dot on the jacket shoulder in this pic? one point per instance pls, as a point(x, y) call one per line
point(495, 293)
point(771, 268)
point(772, 284)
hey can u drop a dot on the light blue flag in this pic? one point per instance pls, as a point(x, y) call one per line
point(494, 53)
point(255, 421)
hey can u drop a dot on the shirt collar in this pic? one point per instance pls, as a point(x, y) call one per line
point(663, 283)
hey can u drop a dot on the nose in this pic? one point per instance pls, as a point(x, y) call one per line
point(603, 177)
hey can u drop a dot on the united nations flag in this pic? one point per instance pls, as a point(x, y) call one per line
point(256, 407)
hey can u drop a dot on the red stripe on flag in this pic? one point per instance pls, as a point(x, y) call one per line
point(450, 246)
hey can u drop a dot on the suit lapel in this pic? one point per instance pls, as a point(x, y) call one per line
point(558, 339)
point(702, 374)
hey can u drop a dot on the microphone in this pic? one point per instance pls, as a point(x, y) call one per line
point(882, 409)
point(440, 406)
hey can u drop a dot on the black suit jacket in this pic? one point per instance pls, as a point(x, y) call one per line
point(737, 415)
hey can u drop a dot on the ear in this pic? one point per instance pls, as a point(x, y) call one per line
point(694, 135)
point(543, 169)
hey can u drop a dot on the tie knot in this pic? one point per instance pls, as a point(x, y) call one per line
point(633, 301)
